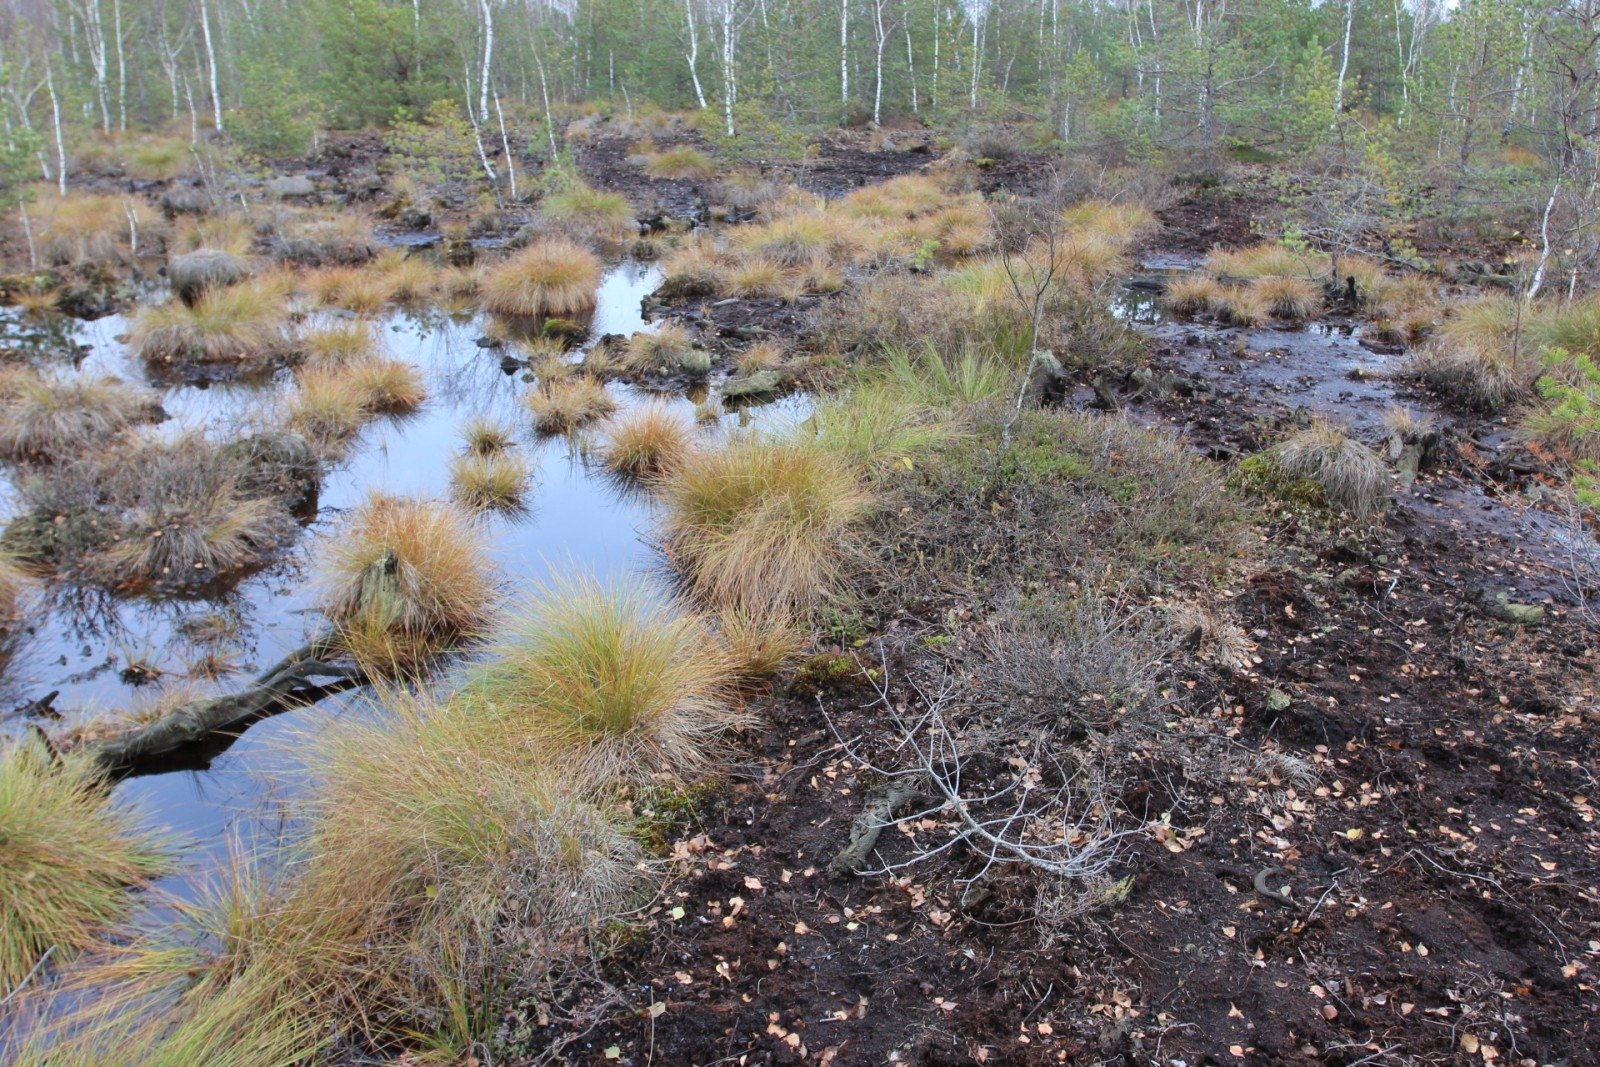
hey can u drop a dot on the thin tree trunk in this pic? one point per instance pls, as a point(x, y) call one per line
point(911, 58)
point(1344, 64)
point(844, 55)
point(122, 68)
point(505, 143)
point(211, 63)
point(694, 54)
point(55, 119)
point(486, 8)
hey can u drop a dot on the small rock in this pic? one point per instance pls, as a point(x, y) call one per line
point(761, 383)
point(291, 185)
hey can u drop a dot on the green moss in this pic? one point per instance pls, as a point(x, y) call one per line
point(1260, 475)
point(827, 672)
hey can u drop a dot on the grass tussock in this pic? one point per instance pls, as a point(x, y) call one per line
point(648, 443)
point(69, 854)
point(549, 277)
point(759, 644)
point(490, 481)
point(1290, 298)
point(328, 407)
point(485, 437)
point(240, 325)
point(681, 163)
point(387, 386)
point(311, 240)
point(360, 289)
point(764, 524)
point(587, 214)
point(1193, 294)
point(47, 417)
point(405, 579)
point(186, 514)
point(1486, 355)
point(1352, 475)
point(695, 269)
point(567, 404)
point(613, 682)
point(87, 228)
point(877, 427)
point(338, 344)
point(1269, 259)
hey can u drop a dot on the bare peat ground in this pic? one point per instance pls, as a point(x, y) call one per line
point(1440, 865)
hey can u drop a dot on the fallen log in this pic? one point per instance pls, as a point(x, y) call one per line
point(300, 678)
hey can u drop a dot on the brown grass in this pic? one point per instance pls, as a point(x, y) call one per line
point(550, 277)
point(566, 404)
point(647, 443)
point(45, 417)
point(404, 579)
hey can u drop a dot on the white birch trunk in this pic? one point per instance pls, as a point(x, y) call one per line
point(211, 64)
point(1344, 64)
point(486, 9)
point(694, 54)
point(55, 119)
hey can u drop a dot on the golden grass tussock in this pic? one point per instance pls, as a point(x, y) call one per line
point(387, 386)
point(69, 853)
point(552, 276)
point(1269, 259)
point(1289, 298)
point(611, 682)
point(490, 481)
point(695, 269)
point(86, 228)
point(328, 407)
point(243, 324)
point(963, 228)
point(680, 163)
point(47, 417)
point(764, 524)
point(337, 344)
point(877, 427)
point(314, 240)
point(587, 214)
point(1352, 475)
point(759, 644)
point(1243, 305)
point(361, 289)
point(567, 404)
point(1486, 354)
point(647, 443)
point(485, 437)
point(895, 200)
point(754, 278)
point(410, 279)
point(1119, 223)
point(798, 240)
point(1193, 294)
point(233, 234)
point(404, 579)
point(660, 349)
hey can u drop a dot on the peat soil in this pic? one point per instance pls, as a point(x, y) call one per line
point(1439, 859)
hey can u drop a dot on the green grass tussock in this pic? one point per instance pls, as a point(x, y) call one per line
point(765, 524)
point(610, 681)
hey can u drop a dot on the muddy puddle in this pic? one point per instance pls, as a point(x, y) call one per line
point(1332, 369)
point(80, 644)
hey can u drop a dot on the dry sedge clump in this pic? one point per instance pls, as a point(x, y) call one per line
point(363, 290)
point(1485, 355)
point(587, 214)
point(387, 386)
point(491, 481)
point(759, 644)
point(243, 324)
point(1120, 223)
point(186, 515)
point(69, 855)
point(328, 408)
point(1293, 299)
point(549, 277)
point(345, 239)
point(763, 525)
point(1193, 294)
point(405, 579)
point(610, 681)
point(338, 344)
point(647, 443)
point(798, 240)
point(1351, 474)
point(484, 437)
point(565, 404)
point(1241, 305)
point(693, 270)
point(1269, 260)
point(85, 228)
point(661, 349)
point(45, 417)
point(680, 163)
